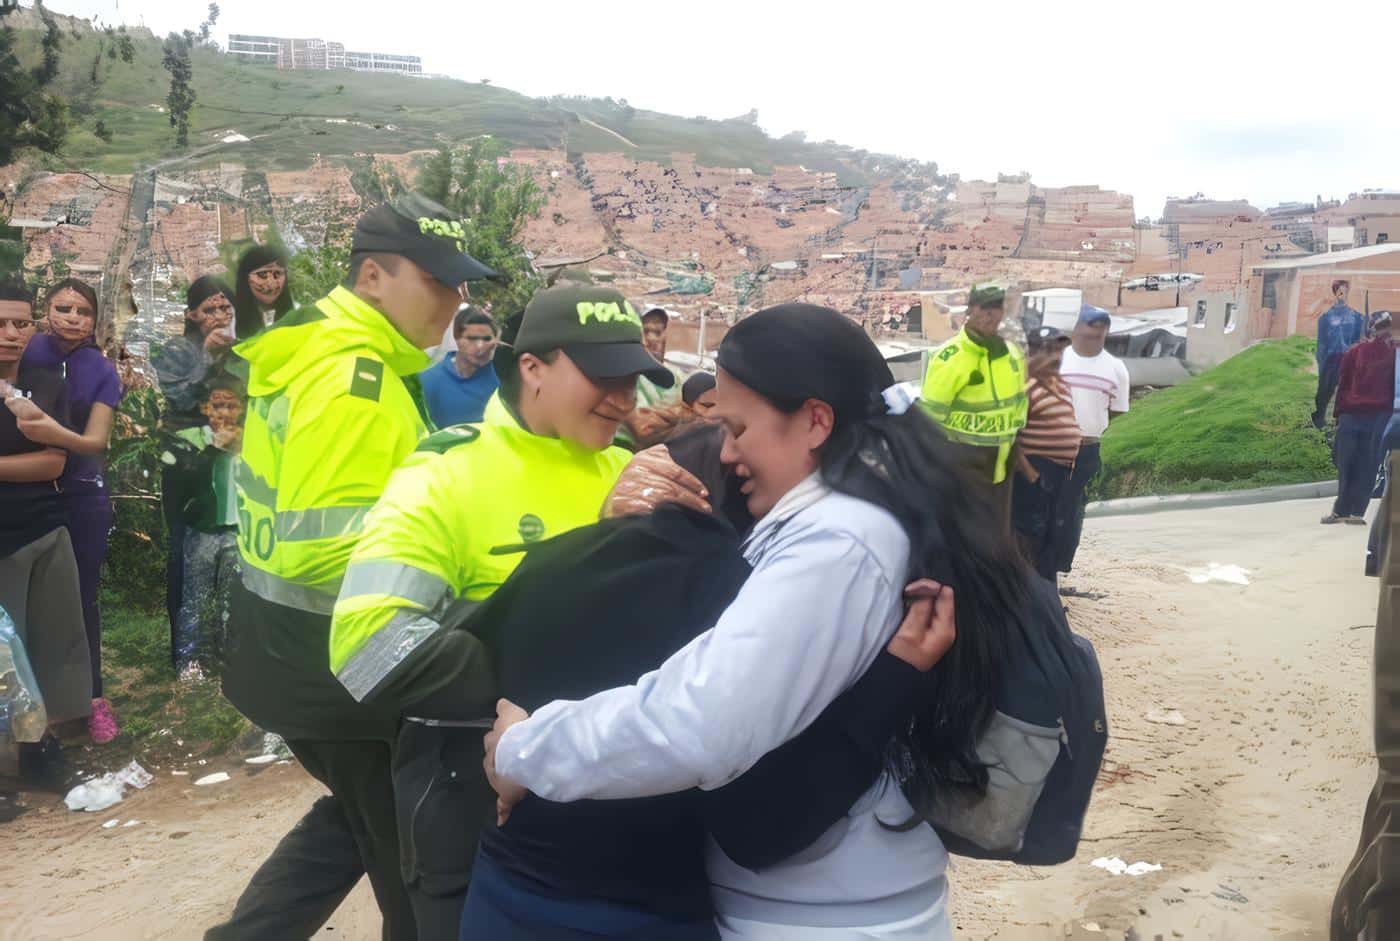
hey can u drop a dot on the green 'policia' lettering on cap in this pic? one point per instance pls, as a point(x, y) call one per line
point(607, 312)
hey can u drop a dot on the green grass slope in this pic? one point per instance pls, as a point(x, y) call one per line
point(1245, 423)
point(288, 111)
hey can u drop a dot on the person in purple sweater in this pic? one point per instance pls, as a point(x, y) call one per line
point(94, 392)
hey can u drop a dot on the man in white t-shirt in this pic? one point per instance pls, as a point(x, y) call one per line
point(1098, 384)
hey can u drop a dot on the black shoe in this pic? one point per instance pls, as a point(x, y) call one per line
point(44, 766)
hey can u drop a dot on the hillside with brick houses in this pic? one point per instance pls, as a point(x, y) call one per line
point(699, 215)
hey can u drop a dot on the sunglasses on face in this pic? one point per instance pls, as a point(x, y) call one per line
point(19, 323)
point(73, 309)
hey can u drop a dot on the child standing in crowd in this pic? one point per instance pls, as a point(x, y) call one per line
point(181, 366)
point(38, 576)
point(262, 291)
point(201, 471)
point(94, 392)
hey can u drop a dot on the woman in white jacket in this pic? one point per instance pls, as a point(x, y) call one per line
point(852, 505)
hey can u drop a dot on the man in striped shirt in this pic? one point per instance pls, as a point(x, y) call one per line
point(1098, 384)
point(1046, 450)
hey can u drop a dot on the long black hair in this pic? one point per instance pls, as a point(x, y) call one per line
point(957, 532)
point(247, 312)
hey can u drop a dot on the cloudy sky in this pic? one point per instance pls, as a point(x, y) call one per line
point(1233, 98)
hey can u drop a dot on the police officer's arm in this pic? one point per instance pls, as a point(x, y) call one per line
point(387, 635)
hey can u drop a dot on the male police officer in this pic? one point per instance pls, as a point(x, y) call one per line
point(975, 386)
point(333, 409)
point(452, 525)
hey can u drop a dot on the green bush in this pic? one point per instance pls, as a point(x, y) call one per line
point(137, 547)
point(1245, 423)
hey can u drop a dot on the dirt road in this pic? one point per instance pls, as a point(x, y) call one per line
point(1252, 806)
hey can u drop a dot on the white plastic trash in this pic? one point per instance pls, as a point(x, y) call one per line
point(135, 775)
point(99, 793)
point(96, 794)
point(218, 777)
point(1165, 717)
point(1115, 866)
point(1215, 572)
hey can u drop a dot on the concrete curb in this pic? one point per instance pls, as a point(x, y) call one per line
point(1198, 501)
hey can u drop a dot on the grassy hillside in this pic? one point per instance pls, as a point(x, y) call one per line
point(1245, 423)
point(291, 109)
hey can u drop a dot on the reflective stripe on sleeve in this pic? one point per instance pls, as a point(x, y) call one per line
point(386, 649)
point(397, 579)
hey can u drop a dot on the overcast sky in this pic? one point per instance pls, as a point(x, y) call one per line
point(1263, 101)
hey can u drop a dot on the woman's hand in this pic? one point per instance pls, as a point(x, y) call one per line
point(34, 423)
point(928, 628)
point(229, 438)
point(508, 793)
point(652, 479)
point(217, 339)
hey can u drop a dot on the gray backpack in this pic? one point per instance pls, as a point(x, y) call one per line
point(1043, 748)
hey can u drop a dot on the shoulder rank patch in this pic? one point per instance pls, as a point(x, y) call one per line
point(368, 380)
point(948, 353)
point(440, 442)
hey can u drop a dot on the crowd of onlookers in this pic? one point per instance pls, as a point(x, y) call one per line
point(63, 393)
point(1032, 422)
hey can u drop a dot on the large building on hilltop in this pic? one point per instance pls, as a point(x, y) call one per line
point(318, 54)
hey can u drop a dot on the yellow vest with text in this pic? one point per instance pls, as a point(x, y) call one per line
point(330, 415)
point(452, 525)
point(977, 398)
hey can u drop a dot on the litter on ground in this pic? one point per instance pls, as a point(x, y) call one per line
point(218, 777)
point(99, 793)
point(1215, 572)
point(1117, 867)
point(1165, 717)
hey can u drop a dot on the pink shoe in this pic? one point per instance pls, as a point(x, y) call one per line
point(102, 725)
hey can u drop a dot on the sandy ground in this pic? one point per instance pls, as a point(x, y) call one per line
point(1251, 807)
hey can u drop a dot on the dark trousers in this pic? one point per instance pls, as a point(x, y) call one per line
point(444, 803)
point(302, 883)
point(1328, 375)
point(1357, 454)
point(1033, 510)
point(174, 555)
point(278, 675)
point(1069, 516)
point(89, 523)
point(503, 905)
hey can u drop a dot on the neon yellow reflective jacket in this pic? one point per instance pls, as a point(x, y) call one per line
point(329, 418)
point(452, 525)
point(979, 398)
